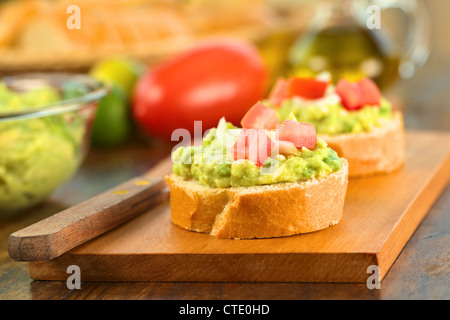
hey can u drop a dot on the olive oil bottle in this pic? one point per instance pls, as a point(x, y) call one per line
point(346, 51)
point(338, 40)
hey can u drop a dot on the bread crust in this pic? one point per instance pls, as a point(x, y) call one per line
point(380, 151)
point(268, 211)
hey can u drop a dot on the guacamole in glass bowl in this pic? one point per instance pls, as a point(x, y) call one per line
point(45, 122)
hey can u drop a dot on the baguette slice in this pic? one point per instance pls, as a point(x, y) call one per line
point(380, 151)
point(267, 211)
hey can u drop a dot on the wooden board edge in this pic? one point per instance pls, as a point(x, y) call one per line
point(412, 218)
point(241, 267)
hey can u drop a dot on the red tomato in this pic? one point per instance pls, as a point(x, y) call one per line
point(355, 95)
point(253, 145)
point(279, 92)
point(301, 134)
point(308, 88)
point(215, 79)
point(260, 117)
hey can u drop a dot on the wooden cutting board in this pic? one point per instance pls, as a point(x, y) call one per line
point(380, 215)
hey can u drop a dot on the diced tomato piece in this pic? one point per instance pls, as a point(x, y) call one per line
point(279, 92)
point(301, 134)
point(308, 88)
point(355, 95)
point(253, 145)
point(260, 117)
point(370, 94)
point(349, 94)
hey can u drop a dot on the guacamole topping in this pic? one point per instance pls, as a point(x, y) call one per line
point(330, 117)
point(211, 164)
point(38, 154)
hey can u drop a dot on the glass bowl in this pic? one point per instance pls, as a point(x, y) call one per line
point(45, 125)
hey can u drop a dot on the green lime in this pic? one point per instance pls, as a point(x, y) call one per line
point(112, 124)
point(122, 71)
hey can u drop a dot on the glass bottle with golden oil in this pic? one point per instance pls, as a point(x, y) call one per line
point(339, 40)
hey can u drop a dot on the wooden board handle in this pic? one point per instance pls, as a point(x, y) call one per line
point(51, 237)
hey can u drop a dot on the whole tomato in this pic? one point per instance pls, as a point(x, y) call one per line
point(214, 79)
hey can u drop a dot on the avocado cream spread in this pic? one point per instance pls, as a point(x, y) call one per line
point(211, 164)
point(330, 117)
point(37, 154)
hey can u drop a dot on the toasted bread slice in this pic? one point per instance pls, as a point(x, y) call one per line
point(267, 211)
point(380, 151)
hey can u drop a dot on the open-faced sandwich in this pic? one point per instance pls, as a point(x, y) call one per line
point(352, 117)
point(266, 179)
